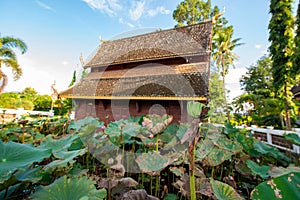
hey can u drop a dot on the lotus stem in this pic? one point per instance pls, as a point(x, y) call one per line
point(192, 176)
point(151, 185)
point(157, 186)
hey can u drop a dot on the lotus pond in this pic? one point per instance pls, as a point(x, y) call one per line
point(143, 157)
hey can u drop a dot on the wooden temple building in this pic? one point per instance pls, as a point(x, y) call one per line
point(153, 73)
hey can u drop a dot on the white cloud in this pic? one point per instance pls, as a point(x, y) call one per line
point(109, 7)
point(158, 10)
point(44, 6)
point(65, 62)
point(232, 81)
point(137, 10)
point(121, 21)
point(258, 46)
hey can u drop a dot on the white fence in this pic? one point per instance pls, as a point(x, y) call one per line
point(276, 138)
point(11, 114)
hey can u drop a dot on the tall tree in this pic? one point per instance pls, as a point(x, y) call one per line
point(296, 57)
point(193, 11)
point(8, 58)
point(223, 46)
point(216, 102)
point(258, 79)
point(281, 50)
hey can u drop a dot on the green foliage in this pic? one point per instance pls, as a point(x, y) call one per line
point(192, 11)
point(194, 109)
point(262, 171)
point(281, 51)
point(216, 103)
point(258, 79)
point(224, 191)
point(226, 161)
point(296, 56)
point(70, 188)
point(8, 57)
point(293, 138)
point(14, 155)
point(281, 35)
point(282, 187)
point(42, 102)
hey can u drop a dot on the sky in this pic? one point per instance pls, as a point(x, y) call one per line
point(58, 32)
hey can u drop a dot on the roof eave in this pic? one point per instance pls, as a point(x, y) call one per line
point(175, 98)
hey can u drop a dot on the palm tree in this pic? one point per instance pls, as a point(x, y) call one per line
point(223, 54)
point(8, 58)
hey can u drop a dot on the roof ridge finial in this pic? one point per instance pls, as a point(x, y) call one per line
point(214, 18)
point(101, 40)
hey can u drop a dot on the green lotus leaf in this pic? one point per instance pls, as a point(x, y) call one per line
point(58, 145)
point(293, 138)
point(264, 148)
point(224, 191)
point(78, 125)
point(262, 171)
point(120, 132)
point(279, 171)
point(152, 162)
point(70, 188)
point(194, 109)
point(66, 159)
point(29, 174)
point(14, 156)
point(9, 191)
point(282, 187)
point(170, 196)
point(215, 149)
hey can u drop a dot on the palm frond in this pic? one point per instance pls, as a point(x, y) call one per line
point(12, 42)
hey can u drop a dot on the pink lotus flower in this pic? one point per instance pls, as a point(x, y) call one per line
point(102, 128)
point(143, 124)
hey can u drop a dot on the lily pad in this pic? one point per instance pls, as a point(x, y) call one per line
point(262, 171)
point(224, 191)
point(14, 156)
point(152, 162)
point(293, 138)
point(70, 188)
point(282, 187)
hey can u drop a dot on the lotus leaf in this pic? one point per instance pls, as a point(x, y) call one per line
point(224, 191)
point(58, 145)
point(152, 162)
point(78, 125)
point(178, 171)
point(66, 159)
point(170, 196)
point(264, 148)
point(29, 174)
point(194, 109)
point(14, 156)
point(282, 187)
point(9, 191)
point(279, 171)
point(293, 138)
point(70, 188)
point(262, 171)
point(215, 149)
point(157, 124)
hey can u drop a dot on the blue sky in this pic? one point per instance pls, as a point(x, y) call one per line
point(57, 32)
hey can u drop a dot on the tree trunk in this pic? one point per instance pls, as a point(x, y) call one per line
point(4, 81)
point(287, 110)
point(225, 96)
